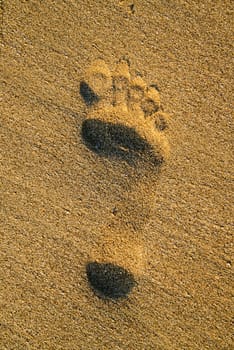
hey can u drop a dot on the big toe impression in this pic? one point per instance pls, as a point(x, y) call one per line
point(109, 280)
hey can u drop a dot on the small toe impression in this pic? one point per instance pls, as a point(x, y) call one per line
point(161, 120)
point(121, 75)
point(109, 280)
point(151, 103)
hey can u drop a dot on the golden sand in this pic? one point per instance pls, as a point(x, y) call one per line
point(68, 199)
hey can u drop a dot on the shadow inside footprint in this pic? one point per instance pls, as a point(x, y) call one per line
point(88, 94)
point(109, 280)
point(116, 141)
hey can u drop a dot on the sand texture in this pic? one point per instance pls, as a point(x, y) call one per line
point(116, 141)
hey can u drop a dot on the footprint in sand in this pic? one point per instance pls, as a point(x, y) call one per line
point(124, 122)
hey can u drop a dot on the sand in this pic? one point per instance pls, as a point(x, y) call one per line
point(63, 204)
